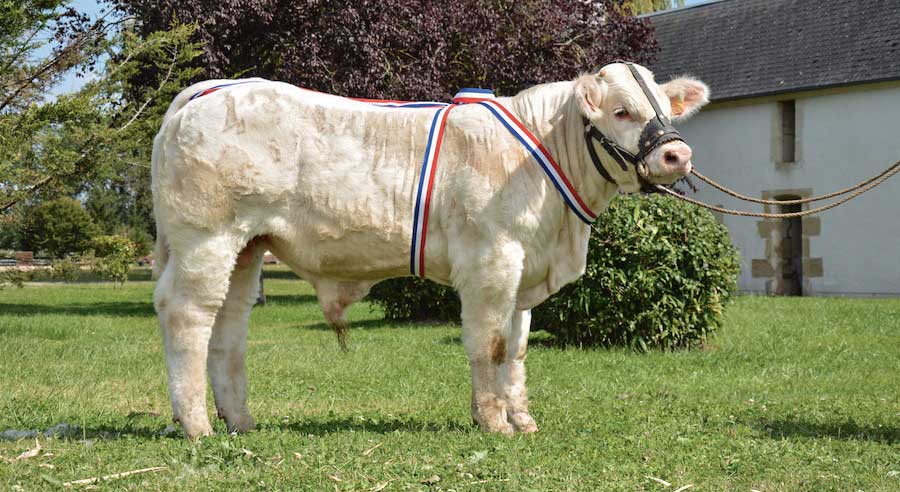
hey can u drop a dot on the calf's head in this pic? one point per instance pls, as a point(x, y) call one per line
point(613, 101)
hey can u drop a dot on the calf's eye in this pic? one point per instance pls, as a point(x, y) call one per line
point(621, 113)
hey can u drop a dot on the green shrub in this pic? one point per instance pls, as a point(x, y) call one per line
point(66, 270)
point(142, 240)
point(659, 272)
point(414, 299)
point(115, 254)
point(14, 277)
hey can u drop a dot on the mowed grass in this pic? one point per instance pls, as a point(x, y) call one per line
point(793, 395)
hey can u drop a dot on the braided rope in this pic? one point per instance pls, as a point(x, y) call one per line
point(860, 189)
point(890, 171)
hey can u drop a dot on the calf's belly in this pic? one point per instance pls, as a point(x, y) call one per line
point(356, 255)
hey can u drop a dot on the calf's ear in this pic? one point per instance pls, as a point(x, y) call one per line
point(687, 96)
point(589, 94)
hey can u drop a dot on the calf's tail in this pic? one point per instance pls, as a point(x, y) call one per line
point(160, 255)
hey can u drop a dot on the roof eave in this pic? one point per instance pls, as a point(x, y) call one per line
point(809, 88)
point(678, 9)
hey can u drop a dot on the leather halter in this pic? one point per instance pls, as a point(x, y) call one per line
point(658, 131)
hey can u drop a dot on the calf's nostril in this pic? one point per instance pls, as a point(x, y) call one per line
point(671, 158)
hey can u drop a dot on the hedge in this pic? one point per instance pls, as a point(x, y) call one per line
point(659, 274)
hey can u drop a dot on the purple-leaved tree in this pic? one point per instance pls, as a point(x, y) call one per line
point(403, 49)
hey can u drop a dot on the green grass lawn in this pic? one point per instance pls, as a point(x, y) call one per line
point(793, 395)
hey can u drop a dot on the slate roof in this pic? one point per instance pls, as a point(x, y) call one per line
point(746, 48)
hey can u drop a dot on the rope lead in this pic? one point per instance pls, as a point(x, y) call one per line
point(857, 190)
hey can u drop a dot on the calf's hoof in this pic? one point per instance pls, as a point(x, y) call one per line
point(240, 424)
point(196, 435)
point(490, 414)
point(194, 430)
point(497, 427)
point(523, 423)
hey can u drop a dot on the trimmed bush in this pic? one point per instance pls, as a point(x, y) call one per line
point(414, 299)
point(658, 275)
point(14, 277)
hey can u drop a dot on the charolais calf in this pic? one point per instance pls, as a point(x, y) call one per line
point(332, 187)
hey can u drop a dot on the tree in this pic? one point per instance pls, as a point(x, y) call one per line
point(58, 227)
point(646, 6)
point(123, 201)
point(57, 146)
point(401, 48)
point(24, 25)
point(11, 233)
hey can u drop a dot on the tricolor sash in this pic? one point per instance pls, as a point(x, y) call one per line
point(483, 97)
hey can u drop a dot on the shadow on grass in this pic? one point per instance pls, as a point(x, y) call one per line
point(281, 274)
point(155, 427)
point(123, 308)
point(146, 428)
point(363, 323)
point(787, 429)
point(290, 300)
point(536, 339)
point(379, 426)
point(379, 323)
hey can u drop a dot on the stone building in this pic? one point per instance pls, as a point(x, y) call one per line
point(805, 100)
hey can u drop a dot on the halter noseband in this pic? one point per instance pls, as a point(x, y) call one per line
point(658, 131)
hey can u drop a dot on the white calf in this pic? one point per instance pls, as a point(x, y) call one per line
point(328, 185)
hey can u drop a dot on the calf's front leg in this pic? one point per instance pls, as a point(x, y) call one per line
point(487, 289)
point(511, 374)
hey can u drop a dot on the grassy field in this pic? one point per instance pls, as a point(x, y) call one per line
point(793, 395)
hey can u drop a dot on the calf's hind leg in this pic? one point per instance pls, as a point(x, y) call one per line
point(187, 298)
point(228, 343)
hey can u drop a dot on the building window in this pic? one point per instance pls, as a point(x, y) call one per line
point(788, 134)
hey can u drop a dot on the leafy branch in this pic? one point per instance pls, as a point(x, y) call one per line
point(59, 146)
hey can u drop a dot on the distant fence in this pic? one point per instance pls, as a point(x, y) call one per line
point(35, 262)
point(22, 259)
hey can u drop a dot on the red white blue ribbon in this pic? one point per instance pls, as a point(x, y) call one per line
point(543, 157)
point(387, 103)
point(221, 86)
point(483, 97)
point(423, 193)
point(471, 95)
